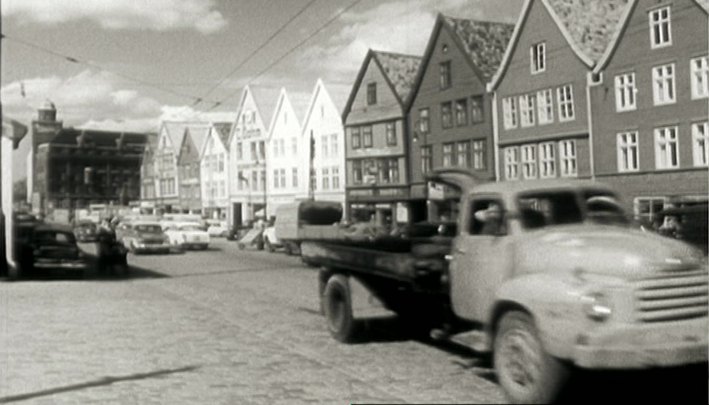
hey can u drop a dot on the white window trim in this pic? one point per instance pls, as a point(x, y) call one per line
point(563, 157)
point(509, 108)
point(653, 45)
point(625, 88)
point(692, 74)
point(559, 92)
point(655, 89)
point(696, 151)
point(658, 153)
point(620, 144)
point(526, 110)
point(545, 107)
point(533, 61)
point(550, 160)
point(512, 162)
point(529, 162)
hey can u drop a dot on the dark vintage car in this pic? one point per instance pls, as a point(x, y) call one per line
point(42, 249)
point(86, 232)
point(687, 223)
point(143, 237)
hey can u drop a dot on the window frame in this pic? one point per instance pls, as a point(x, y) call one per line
point(509, 112)
point(699, 71)
point(526, 110)
point(625, 89)
point(537, 59)
point(659, 85)
point(477, 109)
point(448, 158)
point(512, 157)
point(665, 164)
point(567, 110)
point(367, 134)
point(446, 118)
point(372, 93)
point(700, 144)
point(461, 111)
point(565, 158)
point(355, 134)
point(445, 77)
point(547, 106)
point(658, 24)
point(547, 164)
point(390, 131)
point(627, 142)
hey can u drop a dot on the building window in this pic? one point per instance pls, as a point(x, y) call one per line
point(324, 146)
point(476, 109)
point(547, 162)
point(660, 29)
point(334, 147)
point(567, 158)
point(479, 155)
point(283, 178)
point(448, 158)
point(628, 152)
point(700, 77)
point(663, 84)
point(254, 181)
point(625, 92)
point(275, 178)
point(446, 115)
point(509, 110)
point(424, 123)
point(239, 151)
point(325, 179)
point(294, 146)
point(537, 54)
point(426, 159)
point(565, 99)
point(700, 140)
point(371, 93)
point(383, 169)
point(391, 133)
point(529, 161)
point(367, 136)
point(294, 177)
point(512, 163)
point(646, 208)
point(545, 107)
point(666, 149)
point(335, 177)
point(526, 109)
point(357, 172)
point(445, 74)
point(356, 140)
point(463, 154)
point(394, 170)
point(461, 112)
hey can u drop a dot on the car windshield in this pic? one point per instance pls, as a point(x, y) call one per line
point(54, 238)
point(148, 228)
point(541, 209)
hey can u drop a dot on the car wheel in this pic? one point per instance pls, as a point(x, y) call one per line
point(525, 371)
point(337, 306)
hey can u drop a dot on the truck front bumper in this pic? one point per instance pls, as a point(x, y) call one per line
point(644, 345)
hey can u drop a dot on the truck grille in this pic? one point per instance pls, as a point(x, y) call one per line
point(674, 297)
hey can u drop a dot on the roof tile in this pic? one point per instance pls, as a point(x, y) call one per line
point(400, 70)
point(484, 41)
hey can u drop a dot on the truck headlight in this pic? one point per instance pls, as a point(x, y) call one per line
point(597, 306)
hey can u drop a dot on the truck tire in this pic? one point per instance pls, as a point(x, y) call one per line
point(525, 371)
point(337, 306)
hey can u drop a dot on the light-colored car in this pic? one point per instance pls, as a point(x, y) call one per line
point(187, 235)
point(143, 236)
point(270, 241)
point(217, 229)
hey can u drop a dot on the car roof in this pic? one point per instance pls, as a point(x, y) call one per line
point(515, 187)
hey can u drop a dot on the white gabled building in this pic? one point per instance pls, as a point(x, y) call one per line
point(170, 139)
point(323, 131)
point(287, 171)
point(247, 155)
point(214, 161)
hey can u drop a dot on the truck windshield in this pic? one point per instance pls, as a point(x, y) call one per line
point(538, 210)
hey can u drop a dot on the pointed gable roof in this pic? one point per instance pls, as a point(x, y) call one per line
point(620, 30)
point(282, 102)
point(175, 130)
point(222, 131)
point(198, 133)
point(398, 69)
point(587, 25)
point(484, 42)
point(265, 99)
point(318, 91)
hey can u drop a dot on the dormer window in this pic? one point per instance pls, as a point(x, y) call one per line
point(537, 54)
point(371, 94)
point(660, 28)
point(445, 74)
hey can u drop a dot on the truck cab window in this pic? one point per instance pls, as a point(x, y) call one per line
point(486, 218)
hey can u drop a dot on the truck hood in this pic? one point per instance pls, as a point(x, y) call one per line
point(605, 250)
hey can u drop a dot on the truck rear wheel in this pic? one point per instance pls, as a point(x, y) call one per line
point(525, 371)
point(337, 306)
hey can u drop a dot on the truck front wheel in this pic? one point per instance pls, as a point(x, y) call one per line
point(525, 371)
point(337, 305)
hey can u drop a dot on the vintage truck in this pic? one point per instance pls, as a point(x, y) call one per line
point(546, 275)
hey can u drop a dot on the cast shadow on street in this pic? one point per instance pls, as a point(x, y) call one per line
point(96, 383)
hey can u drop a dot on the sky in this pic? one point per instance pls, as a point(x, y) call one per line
point(143, 61)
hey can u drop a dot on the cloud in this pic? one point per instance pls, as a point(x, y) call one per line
point(158, 15)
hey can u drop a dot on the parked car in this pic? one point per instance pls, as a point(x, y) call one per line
point(86, 232)
point(45, 248)
point(143, 236)
point(217, 229)
point(688, 223)
point(186, 235)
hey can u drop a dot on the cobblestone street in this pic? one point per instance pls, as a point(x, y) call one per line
point(221, 326)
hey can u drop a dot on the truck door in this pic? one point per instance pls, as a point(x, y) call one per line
point(480, 257)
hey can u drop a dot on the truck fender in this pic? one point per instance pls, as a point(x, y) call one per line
point(553, 303)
